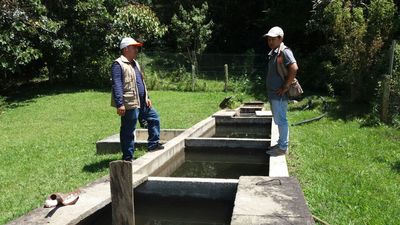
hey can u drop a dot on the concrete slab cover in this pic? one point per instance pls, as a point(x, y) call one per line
point(267, 200)
point(264, 113)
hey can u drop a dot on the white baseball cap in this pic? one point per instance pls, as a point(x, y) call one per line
point(274, 32)
point(126, 41)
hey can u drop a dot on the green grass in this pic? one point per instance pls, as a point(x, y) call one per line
point(350, 174)
point(48, 141)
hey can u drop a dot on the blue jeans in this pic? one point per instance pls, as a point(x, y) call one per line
point(128, 125)
point(153, 125)
point(279, 109)
point(126, 133)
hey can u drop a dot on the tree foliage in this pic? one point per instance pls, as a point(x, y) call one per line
point(135, 20)
point(25, 31)
point(344, 43)
point(356, 33)
point(192, 31)
point(68, 40)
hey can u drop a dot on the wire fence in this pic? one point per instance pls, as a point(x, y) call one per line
point(210, 66)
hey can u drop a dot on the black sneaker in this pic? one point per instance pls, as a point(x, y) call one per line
point(157, 147)
point(273, 147)
point(277, 152)
point(129, 160)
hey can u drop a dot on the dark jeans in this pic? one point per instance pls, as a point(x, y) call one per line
point(128, 125)
point(153, 125)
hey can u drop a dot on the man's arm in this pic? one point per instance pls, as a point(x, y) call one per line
point(292, 71)
point(117, 87)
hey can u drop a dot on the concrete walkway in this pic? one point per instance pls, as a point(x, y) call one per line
point(267, 200)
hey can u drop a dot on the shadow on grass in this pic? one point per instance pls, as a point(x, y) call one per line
point(396, 166)
point(346, 110)
point(97, 166)
point(21, 95)
point(339, 108)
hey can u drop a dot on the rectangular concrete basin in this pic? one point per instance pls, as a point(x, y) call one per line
point(172, 201)
point(218, 158)
point(241, 127)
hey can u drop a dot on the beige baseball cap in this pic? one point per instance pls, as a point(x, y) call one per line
point(274, 32)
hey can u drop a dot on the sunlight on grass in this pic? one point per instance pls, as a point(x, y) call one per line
point(349, 174)
point(346, 171)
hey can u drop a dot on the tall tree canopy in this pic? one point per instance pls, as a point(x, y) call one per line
point(356, 33)
point(192, 31)
point(25, 30)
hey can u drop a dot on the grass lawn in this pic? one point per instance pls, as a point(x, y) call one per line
point(48, 141)
point(350, 174)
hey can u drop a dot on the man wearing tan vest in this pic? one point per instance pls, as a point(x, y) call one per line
point(130, 97)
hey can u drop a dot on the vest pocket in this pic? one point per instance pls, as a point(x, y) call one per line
point(127, 83)
point(130, 99)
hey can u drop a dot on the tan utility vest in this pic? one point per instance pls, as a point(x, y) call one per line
point(131, 97)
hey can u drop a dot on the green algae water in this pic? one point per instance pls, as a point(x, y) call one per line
point(223, 163)
point(171, 211)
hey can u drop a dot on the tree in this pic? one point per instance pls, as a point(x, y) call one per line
point(356, 33)
point(192, 31)
point(25, 30)
point(135, 20)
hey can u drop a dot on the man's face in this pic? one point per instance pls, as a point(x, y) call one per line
point(274, 42)
point(131, 51)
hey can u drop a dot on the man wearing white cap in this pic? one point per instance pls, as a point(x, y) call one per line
point(277, 87)
point(130, 97)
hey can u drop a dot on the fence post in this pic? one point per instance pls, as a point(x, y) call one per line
point(193, 75)
point(385, 99)
point(386, 87)
point(122, 193)
point(226, 77)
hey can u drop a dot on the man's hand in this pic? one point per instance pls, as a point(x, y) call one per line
point(292, 71)
point(282, 90)
point(149, 103)
point(121, 110)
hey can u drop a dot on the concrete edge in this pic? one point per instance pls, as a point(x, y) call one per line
point(92, 197)
point(221, 189)
point(227, 142)
point(277, 164)
point(194, 179)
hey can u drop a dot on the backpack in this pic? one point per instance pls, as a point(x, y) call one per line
point(295, 89)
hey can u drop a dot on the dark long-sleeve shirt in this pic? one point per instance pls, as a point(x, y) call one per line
point(117, 84)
